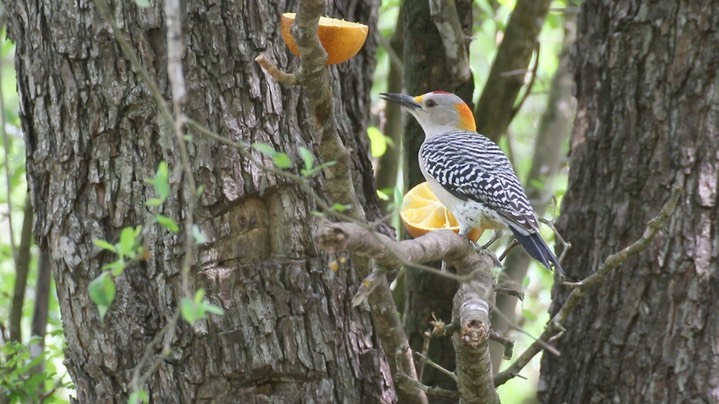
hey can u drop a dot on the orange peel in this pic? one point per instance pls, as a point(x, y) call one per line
point(422, 212)
point(341, 39)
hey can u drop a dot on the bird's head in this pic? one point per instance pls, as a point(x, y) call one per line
point(437, 112)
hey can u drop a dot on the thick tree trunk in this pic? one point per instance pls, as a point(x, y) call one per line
point(647, 118)
point(93, 133)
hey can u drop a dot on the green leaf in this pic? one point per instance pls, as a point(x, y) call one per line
point(104, 245)
point(162, 181)
point(143, 3)
point(338, 207)
point(102, 292)
point(212, 309)
point(384, 194)
point(128, 241)
point(307, 157)
point(197, 235)
point(154, 202)
point(191, 310)
point(377, 141)
point(199, 294)
point(282, 160)
point(529, 315)
point(115, 267)
point(139, 397)
point(264, 148)
point(536, 183)
point(167, 223)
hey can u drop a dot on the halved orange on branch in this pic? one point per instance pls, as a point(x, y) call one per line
point(422, 212)
point(341, 39)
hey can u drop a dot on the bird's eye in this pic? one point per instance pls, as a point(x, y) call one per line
point(431, 103)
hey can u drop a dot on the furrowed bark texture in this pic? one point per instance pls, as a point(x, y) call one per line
point(94, 135)
point(647, 118)
point(425, 69)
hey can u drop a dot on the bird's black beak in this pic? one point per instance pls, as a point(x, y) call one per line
point(404, 100)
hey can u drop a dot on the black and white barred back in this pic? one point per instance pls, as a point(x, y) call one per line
point(472, 167)
point(476, 171)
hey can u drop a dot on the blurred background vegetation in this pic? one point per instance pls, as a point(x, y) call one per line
point(31, 357)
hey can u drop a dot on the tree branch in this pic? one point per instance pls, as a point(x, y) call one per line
point(313, 76)
point(554, 327)
point(472, 301)
point(471, 344)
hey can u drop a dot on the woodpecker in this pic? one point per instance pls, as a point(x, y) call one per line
point(470, 174)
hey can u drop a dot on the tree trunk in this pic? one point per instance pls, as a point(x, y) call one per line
point(426, 69)
point(94, 135)
point(549, 151)
point(647, 118)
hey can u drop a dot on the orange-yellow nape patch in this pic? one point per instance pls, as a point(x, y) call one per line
point(466, 117)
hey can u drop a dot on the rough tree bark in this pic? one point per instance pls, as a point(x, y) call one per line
point(93, 136)
point(647, 118)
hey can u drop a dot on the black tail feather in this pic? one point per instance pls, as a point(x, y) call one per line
point(538, 249)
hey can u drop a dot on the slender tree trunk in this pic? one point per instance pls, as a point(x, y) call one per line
point(647, 118)
point(426, 70)
point(94, 135)
point(549, 152)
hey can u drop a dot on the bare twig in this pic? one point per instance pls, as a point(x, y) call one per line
point(175, 50)
point(557, 238)
point(530, 85)
point(423, 359)
point(405, 381)
point(511, 292)
point(274, 71)
point(506, 342)
point(507, 249)
point(554, 326)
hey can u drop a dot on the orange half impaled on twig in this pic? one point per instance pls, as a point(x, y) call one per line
point(341, 39)
point(422, 212)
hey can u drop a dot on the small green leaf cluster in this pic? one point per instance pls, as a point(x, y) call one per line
point(378, 142)
point(283, 161)
point(129, 248)
point(20, 380)
point(198, 307)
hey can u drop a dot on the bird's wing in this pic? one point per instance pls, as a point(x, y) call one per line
point(472, 167)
